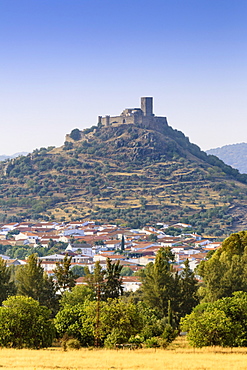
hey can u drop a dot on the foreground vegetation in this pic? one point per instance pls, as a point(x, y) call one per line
point(177, 356)
point(99, 314)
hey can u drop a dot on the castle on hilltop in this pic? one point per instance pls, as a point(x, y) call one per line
point(143, 116)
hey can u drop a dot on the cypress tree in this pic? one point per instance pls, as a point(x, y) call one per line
point(122, 244)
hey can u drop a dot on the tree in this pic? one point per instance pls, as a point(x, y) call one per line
point(143, 202)
point(153, 326)
point(73, 321)
point(29, 278)
point(127, 271)
point(78, 271)
point(226, 271)
point(112, 287)
point(75, 134)
point(24, 323)
point(221, 323)
point(158, 281)
point(99, 242)
point(122, 244)
point(32, 281)
point(95, 280)
point(65, 279)
point(118, 321)
point(188, 290)
point(78, 295)
point(7, 287)
point(106, 283)
point(48, 296)
point(51, 243)
point(152, 237)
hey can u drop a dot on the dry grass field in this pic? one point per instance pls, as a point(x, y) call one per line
point(177, 356)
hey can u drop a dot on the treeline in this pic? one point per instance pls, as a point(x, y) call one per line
point(221, 317)
point(24, 251)
point(99, 312)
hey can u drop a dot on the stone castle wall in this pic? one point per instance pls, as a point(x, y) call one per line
point(153, 123)
point(120, 120)
point(141, 117)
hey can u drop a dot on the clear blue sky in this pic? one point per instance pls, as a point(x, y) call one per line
point(64, 62)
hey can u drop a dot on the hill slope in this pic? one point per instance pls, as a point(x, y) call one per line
point(234, 155)
point(127, 174)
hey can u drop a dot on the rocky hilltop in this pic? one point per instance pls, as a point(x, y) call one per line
point(127, 173)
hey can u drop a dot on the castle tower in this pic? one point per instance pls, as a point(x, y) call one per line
point(147, 106)
point(107, 120)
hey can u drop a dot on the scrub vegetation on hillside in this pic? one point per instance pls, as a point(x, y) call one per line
point(127, 174)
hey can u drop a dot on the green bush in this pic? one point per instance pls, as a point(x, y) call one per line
point(73, 343)
point(25, 324)
point(221, 323)
point(75, 134)
point(156, 342)
point(117, 336)
point(169, 333)
point(73, 321)
point(137, 340)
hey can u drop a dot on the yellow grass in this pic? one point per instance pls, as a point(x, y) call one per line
point(143, 359)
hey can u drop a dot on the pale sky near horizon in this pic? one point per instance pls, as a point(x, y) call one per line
point(64, 62)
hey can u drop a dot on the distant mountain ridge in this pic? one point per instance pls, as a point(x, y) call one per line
point(235, 155)
point(4, 157)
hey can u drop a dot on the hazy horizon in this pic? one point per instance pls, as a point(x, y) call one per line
point(64, 63)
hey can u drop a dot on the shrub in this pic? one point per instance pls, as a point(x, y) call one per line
point(221, 323)
point(137, 340)
point(73, 343)
point(156, 342)
point(169, 333)
point(24, 323)
point(117, 336)
point(152, 342)
point(73, 321)
point(75, 134)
